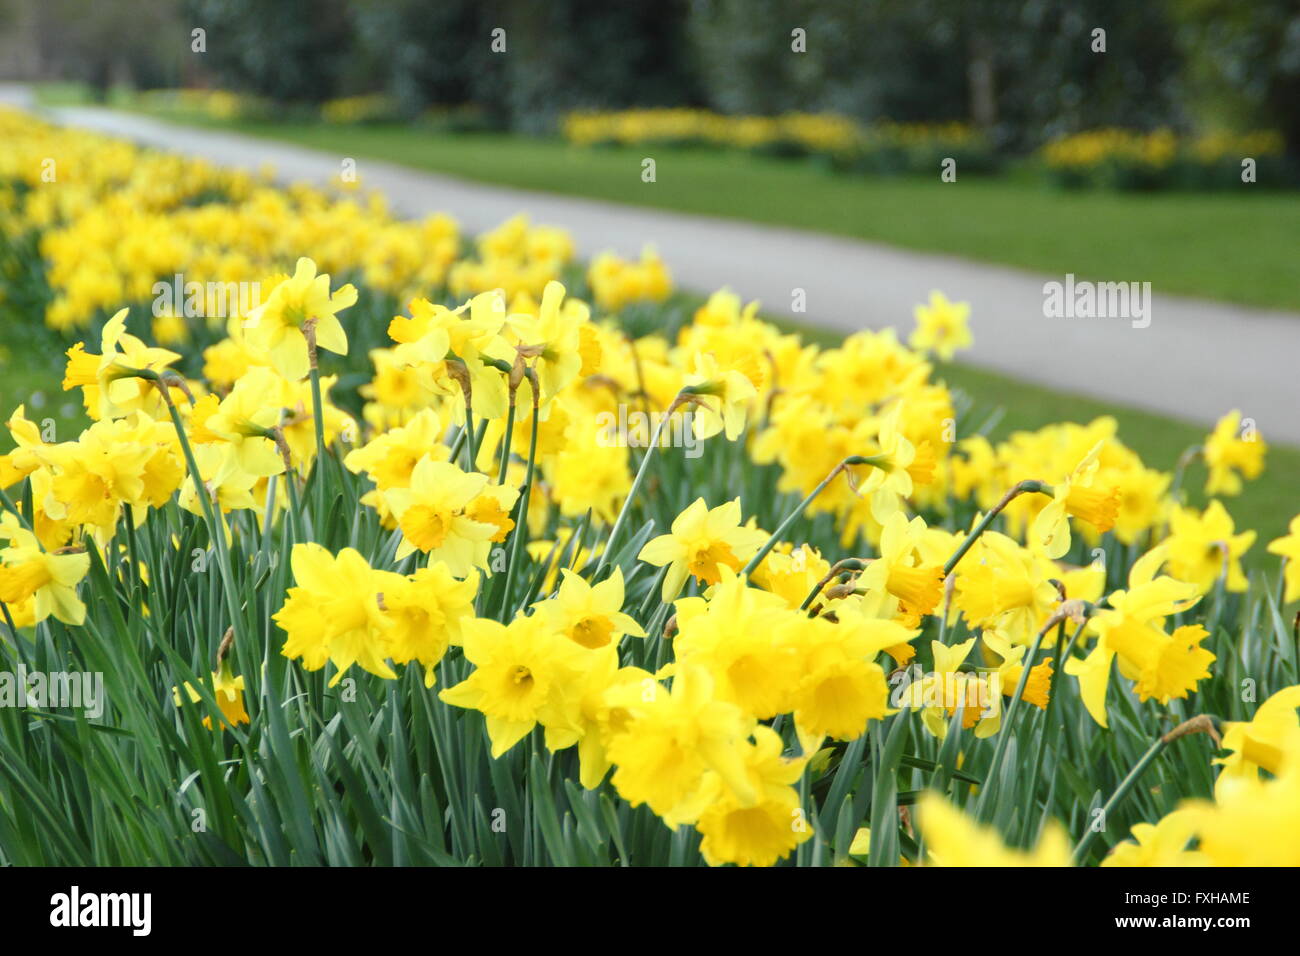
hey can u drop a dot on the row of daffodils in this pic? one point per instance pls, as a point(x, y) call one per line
point(716, 636)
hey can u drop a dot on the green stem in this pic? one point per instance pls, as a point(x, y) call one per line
point(979, 529)
point(1120, 793)
point(1061, 655)
point(506, 440)
point(636, 486)
point(216, 528)
point(1008, 724)
point(521, 521)
point(317, 405)
point(793, 516)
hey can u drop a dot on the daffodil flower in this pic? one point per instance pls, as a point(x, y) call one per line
point(276, 327)
point(701, 541)
point(590, 615)
point(29, 572)
point(1076, 495)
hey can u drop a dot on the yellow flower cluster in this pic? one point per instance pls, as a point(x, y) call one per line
point(815, 132)
point(359, 109)
point(123, 220)
point(1094, 147)
point(1131, 157)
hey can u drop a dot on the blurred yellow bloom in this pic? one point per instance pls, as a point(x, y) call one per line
point(1232, 453)
point(941, 327)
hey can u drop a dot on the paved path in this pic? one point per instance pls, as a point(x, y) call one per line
point(1195, 361)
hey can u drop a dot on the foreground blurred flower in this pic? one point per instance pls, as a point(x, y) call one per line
point(941, 327)
point(1160, 844)
point(954, 839)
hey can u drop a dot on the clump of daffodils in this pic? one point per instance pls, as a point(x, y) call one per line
point(711, 642)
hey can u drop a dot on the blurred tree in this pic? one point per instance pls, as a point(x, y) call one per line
point(92, 43)
point(435, 53)
point(558, 56)
point(1021, 69)
point(1050, 81)
point(590, 54)
point(292, 50)
point(1243, 62)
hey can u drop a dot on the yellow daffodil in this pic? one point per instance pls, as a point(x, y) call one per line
point(520, 671)
point(721, 398)
point(590, 615)
point(1232, 453)
point(431, 514)
point(761, 831)
point(50, 580)
point(230, 697)
point(333, 613)
point(428, 610)
point(1289, 548)
point(941, 327)
point(276, 327)
point(108, 381)
point(1204, 547)
point(897, 583)
point(1080, 495)
point(701, 542)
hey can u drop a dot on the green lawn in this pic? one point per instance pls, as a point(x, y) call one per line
point(1230, 246)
